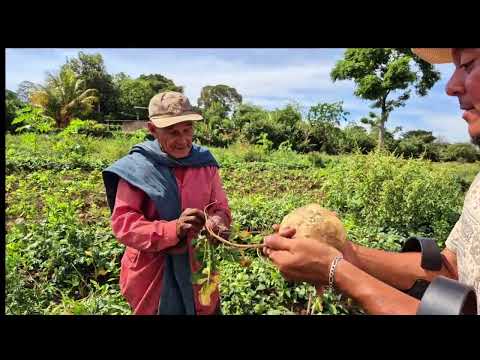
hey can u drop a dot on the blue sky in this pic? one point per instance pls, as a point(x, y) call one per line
point(267, 77)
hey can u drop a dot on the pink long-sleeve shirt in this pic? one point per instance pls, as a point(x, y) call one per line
point(136, 224)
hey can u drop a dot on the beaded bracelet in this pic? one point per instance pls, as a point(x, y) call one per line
point(331, 274)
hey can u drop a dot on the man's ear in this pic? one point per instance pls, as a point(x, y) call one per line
point(151, 128)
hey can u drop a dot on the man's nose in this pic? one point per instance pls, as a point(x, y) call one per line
point(455, 85)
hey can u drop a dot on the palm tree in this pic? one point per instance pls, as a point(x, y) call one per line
point(63, 97)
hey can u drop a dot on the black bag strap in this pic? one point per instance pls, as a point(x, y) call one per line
point(445, 296)
point(431, 260)
point(418, 289)
point(431, 254)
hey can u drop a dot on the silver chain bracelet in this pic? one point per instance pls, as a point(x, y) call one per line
point(331, 274)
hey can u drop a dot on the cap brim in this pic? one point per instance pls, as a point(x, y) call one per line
point(435, 55)
point(162, 122)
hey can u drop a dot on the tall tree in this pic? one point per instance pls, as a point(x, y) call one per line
point(160, 83)
point(246, 113)
point(331, 113)
point(132, 93)
point(374, 120)
point(378, 73)
point(138, 92)
point(324, 119)
point(91, 69)
point(226, 96)
point(426, 136)
point(64, 96)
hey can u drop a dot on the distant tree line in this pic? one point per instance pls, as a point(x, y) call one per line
point(83, 89)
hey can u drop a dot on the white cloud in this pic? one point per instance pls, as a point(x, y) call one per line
point(251, 81)
point(448, 125)
point(451, 127)
point(196, 68)
point(33, 64)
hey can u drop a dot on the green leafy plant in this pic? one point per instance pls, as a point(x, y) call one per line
point(31, 118)
point(62, 258)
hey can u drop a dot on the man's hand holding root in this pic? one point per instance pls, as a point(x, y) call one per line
point(300, 259)
point(216, 224)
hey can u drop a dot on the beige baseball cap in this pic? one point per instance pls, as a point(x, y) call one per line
point(434, 55)
point(169, 108)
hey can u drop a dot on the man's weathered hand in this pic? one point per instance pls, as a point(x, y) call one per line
point(190, 222)
point(348, 250)
point(349, 253)
point(287, 232)
point(215, 223)
point(301, 259)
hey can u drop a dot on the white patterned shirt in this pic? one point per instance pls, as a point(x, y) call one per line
point(464, 240)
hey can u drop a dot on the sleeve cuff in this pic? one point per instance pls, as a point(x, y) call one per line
point(171, 232)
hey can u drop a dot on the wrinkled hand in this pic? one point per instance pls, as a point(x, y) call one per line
point(300, 259)
point(190, 222)
point(349, 253)
point(215, 223)
point(287, 233)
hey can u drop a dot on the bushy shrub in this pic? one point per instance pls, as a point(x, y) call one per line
point(383, 191)
point(61, 257)
point(460, 152)
point(355, 138)
point(59, 243)
point(88, 127)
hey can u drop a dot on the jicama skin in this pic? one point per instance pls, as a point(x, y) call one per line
point(315, 222)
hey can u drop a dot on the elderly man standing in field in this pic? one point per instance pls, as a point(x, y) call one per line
point(157, 194)
point(373, 277)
